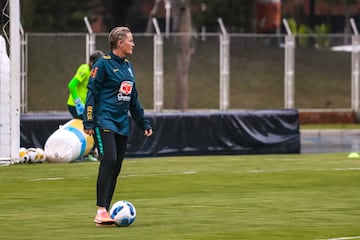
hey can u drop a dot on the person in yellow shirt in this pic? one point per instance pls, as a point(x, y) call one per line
point(78, 86)
point(78, 90)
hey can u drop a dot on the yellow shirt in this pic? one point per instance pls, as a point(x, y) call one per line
point(79, 90)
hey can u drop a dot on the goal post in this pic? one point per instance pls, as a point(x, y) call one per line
point(5, 127)
point(10, 89)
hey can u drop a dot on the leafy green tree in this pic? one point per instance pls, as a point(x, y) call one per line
point(54, 15)
point(117, 13)
point(236, 14)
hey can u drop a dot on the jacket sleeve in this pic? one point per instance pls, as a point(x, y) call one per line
point(72, 87)
point(96, 77)
point(137, 111)
point(78, 78)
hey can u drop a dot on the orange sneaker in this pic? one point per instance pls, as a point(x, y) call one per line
point(108, 224)
point(103, 218)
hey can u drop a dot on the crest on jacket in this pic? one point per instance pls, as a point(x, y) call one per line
point(125, 90)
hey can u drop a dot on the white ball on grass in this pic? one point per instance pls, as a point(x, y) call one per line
point(36, 155)
point(23, 155)
point(123, 212)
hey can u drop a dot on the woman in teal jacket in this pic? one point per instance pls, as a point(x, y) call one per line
point(111, 95)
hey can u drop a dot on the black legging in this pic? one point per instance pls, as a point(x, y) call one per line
point(112, 148)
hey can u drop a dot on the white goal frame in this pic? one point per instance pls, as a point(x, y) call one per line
point(10, 142)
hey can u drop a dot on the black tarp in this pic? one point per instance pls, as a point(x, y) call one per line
point(192, 133)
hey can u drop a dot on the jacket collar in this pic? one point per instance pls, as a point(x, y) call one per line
point(117, 58)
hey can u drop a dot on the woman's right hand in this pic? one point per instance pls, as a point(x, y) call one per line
point(89, 132)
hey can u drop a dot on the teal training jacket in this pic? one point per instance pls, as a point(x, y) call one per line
point(111, 95)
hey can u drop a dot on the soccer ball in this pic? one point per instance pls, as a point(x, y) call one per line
point(36, 155)
point(41, 156)
point(23, 155)
point(123, 212)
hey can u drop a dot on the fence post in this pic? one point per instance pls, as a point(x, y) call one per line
point(289, 73)
point(167, 17)
point(355, 68)
point(224, 67)
point(158, 69)
point(90, 40)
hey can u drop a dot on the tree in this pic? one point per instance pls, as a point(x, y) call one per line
point(116, 13)
point(56, 16)
point(237, 14)
point(182, 24)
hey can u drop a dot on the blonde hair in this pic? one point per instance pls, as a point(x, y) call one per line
point(116, 34)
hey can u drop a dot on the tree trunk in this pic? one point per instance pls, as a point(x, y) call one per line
point(347, 28)
point(182, 25)
point(312, 14)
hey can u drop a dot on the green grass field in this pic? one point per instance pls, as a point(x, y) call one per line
point(299, 196)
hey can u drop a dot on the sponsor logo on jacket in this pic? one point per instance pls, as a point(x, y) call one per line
point(125, 91)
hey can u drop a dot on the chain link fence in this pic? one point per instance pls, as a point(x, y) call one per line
point(322, 77)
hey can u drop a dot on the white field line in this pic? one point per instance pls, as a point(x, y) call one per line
point(341, 238)
point(247, 171)
point(194, 172)
point(46, 179)
point(123, 176)
point(347, 169)
point(293, 170)
point(156, 174)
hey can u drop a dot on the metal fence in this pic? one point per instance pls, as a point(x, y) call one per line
point(228, 71)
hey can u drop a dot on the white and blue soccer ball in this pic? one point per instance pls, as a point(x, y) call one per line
point(123, 212)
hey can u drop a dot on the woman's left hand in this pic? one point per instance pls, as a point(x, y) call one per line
point(148, 132)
